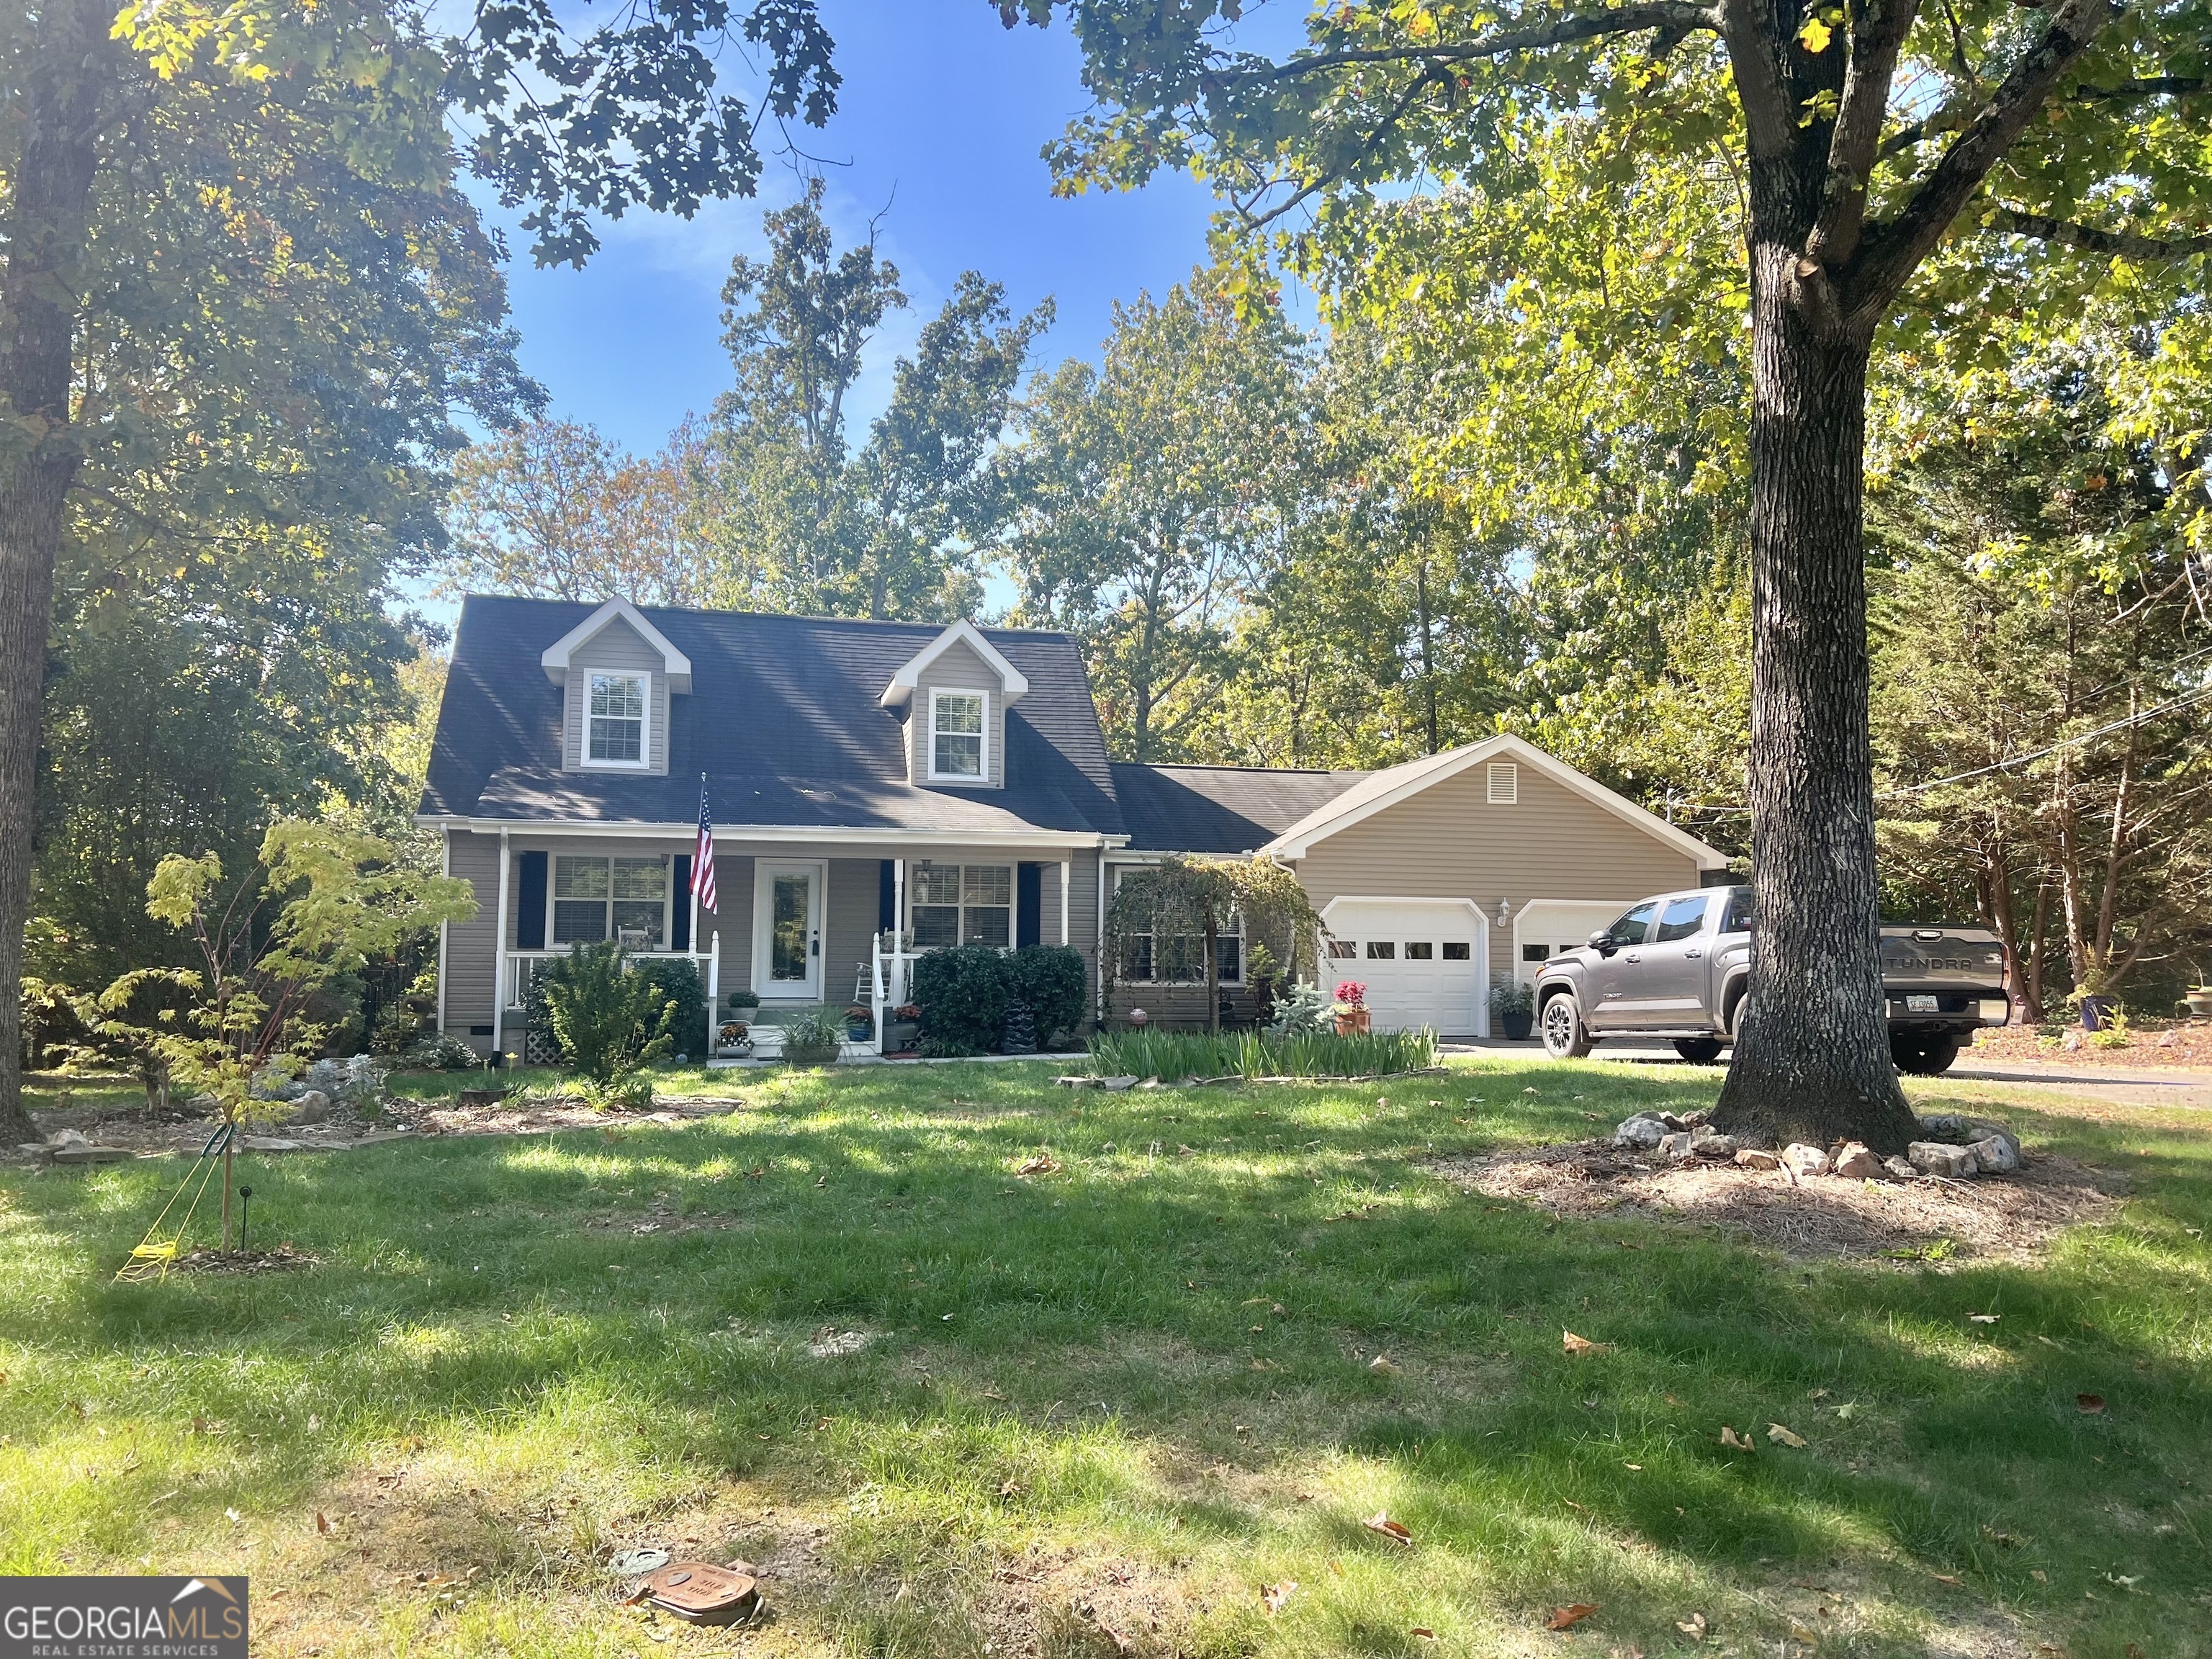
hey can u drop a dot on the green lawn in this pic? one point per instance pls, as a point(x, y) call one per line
point(1105, 1405)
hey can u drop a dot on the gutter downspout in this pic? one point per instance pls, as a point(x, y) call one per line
point(1098, 957)
point(444, 868)
point(499, 955)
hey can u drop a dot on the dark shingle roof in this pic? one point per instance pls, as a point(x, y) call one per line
point(1218, 808)
point(783, 718)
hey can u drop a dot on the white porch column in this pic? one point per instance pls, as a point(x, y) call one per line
point(713, 983)
point(1098, 962)
point(445, 928)
point(499, 955)
point(1065, 867)
point(901, 992)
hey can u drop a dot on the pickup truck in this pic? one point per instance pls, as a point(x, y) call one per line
point(1677, 967)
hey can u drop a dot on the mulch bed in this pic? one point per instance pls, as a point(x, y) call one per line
point(2180, 1044)
point(1825, 1216)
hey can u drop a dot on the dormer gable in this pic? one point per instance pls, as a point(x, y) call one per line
point(617, 672)
point(954, 694)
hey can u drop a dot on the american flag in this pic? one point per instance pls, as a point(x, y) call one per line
point(702, 860)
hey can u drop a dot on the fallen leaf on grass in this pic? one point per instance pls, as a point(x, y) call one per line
point(1799, 1633)
point(1694, 1626)
point(1782, 1436)
point(1037, 1164)
point(1383, 1365)
point(1567, 1617)
point(1275, 1595)
point(1638, 1468)
point(1983, 1319)
point(1850, 1410)
point(324, 1523)
point(1951, 1578)
point(1424, 1633)
point(233, 1517)
point(1380, 1521)
point(1574, 1343)
point(1736, 1442)
point(2088, 1404)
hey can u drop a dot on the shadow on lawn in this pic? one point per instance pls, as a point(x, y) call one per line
point(1177, 1324)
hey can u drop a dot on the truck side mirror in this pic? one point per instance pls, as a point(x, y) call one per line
point(1601, 940)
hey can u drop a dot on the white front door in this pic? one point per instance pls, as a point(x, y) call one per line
point(787, 930)
point(1422, 960)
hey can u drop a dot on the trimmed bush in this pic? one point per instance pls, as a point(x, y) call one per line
point(963, 994)
point(608, 1020)
point(678, 979)
point(1051, 978)
point(1168, 1055)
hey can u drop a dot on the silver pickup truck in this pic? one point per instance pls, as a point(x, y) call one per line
point(1677, 967)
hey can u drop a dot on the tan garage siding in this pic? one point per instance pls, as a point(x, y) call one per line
point(471, 946)
point(1449, 841)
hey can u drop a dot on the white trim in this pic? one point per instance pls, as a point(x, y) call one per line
point(1066, 874)
point(1012, 682)
point(817, 925)
point(499, 956)
point(445, 928)
point(1382, 790)
point(777, 834)
point(669, 900)
point(1481, 942)
point(980, 778)
point(557, 655)
point(644, 761)
point(1507, 773)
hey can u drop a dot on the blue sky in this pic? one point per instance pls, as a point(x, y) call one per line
point(943, 113)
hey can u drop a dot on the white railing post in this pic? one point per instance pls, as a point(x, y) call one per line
point(714, 985)
point(876, 985)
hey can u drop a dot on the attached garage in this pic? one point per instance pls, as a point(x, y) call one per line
point(1545, 927)
point(1424, 961)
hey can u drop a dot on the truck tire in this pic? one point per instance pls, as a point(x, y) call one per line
point(1924, 1056)
point(1698, 1051)
point(1565, 1036)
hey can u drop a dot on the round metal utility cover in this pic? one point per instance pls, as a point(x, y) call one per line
point(633, 1564)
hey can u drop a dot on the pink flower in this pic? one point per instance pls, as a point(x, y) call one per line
point(1352, 992)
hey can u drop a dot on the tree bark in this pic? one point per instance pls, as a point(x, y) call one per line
point(47, 230)
point(1811, 1061)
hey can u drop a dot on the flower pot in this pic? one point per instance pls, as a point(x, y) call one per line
point(2200, 1003)
point(1517, 1023)
point(2094, 1010)
point(1351, 1020)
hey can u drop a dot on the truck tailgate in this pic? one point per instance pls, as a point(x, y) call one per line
point(1950, 958)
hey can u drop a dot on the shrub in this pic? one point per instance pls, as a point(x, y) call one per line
point(1171, 1055)
point(1512, 996)
point(678, 979)
point(1051, 978)
point(813, 1036)
point(962, 993)
point(1302, 1010)
point(440, 1051)
point(608, 1020)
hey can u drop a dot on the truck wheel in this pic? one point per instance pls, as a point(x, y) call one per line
point(1925, 1056)
point(1565, 1036)
point(1698, 1051)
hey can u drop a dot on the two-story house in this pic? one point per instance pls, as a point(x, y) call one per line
point(877, 787)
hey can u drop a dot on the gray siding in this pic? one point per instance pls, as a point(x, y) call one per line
point(848, 925)
point(959, 669)
point(1449, 841)
point(616, 645)
point(471, 946)
point(733, 922)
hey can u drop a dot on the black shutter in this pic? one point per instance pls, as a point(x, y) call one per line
point(679, 921)
point(529, 903)
point(886, 896)
point(1028, 903)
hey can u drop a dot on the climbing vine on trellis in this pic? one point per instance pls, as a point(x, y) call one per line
point(1195, 897)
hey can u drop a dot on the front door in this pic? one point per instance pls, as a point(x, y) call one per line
point(788, 931)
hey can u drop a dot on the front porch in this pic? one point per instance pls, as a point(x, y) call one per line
point(831, 924)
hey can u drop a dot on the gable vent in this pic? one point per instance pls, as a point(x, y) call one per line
point(1504, 783)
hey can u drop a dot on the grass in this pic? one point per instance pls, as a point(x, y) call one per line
point(1128, 1392)
point(1170, 1055)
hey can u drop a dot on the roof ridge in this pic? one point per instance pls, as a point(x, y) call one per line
point(781, 616)
point(1222, 765)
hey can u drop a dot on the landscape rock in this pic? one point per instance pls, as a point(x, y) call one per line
point(1676, 1146)
point(1898, 1167)
point(84, 1152)
point(1805, 1160)
point(1754, 1158)
point(269, 1144)
point(1642, 1133)
point(1695, 1119)
point(1704, 1143)
point(1117, 1083)
point(62, 1138)
point(1856, 1162)
point(1939, 1157)
point(312, 1107)
point(1997, 1154)
point(1954, 1127)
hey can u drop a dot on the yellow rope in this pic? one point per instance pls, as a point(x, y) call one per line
point(152, 1256)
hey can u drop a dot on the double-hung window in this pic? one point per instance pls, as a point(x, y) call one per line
point(958, 736)
point(614, 732)
point(1149, 958)
point(599, 898)
point(962, 904)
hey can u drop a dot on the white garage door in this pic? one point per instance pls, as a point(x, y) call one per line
point(1424, 961)
point(1545, 927)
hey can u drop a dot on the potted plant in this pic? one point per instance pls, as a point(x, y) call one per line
point(1352, 1012)
point(860, 1024)
point(2200, 1001)
point(2095, 1001)
point(902, 1030)
point(813, 1037)
point(1513, 1003)
point(733, 1040)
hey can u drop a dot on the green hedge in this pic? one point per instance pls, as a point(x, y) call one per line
point(964, 993)
point(1168, 1055)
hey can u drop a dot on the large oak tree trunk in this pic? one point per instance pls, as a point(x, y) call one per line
point(1811, 1061)
point(46, 228)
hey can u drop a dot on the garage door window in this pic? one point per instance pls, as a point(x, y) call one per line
point(1458, 950)
point(1343, 947)
point(1420, 950)
point(1381, 950)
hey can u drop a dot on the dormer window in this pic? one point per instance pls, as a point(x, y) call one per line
point(615, 733)
point(958, 725)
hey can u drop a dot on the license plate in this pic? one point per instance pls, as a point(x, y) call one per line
point(1920, 1004)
